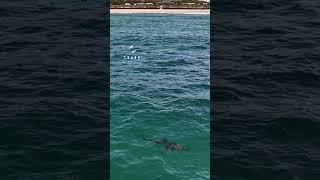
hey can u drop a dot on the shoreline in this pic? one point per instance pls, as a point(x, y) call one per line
point(165, 11)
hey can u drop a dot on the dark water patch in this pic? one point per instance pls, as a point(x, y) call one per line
point(297, 128)
point(53, 126)
point(265, 90)
point(295, 77)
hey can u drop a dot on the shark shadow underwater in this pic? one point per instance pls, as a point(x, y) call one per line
point(168, 145)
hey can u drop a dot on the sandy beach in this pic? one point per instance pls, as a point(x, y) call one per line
point(168, 11)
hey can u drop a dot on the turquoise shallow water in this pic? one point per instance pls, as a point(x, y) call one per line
point(160, 88)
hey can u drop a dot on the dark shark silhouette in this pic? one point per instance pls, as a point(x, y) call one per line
point(168, 145)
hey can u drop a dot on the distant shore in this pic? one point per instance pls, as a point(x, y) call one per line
point(165, 11)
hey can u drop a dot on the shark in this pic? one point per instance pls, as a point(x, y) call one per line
point(168, 145)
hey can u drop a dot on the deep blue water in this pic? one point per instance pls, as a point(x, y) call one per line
point(162, 94)
point(53, 90)
point(266, 90)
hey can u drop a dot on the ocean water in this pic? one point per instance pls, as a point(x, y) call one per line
point(162, 92)
point(53, 90)
point(266, 90)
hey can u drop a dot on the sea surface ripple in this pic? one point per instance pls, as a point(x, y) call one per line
point(53, 86)
point(266, 90)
